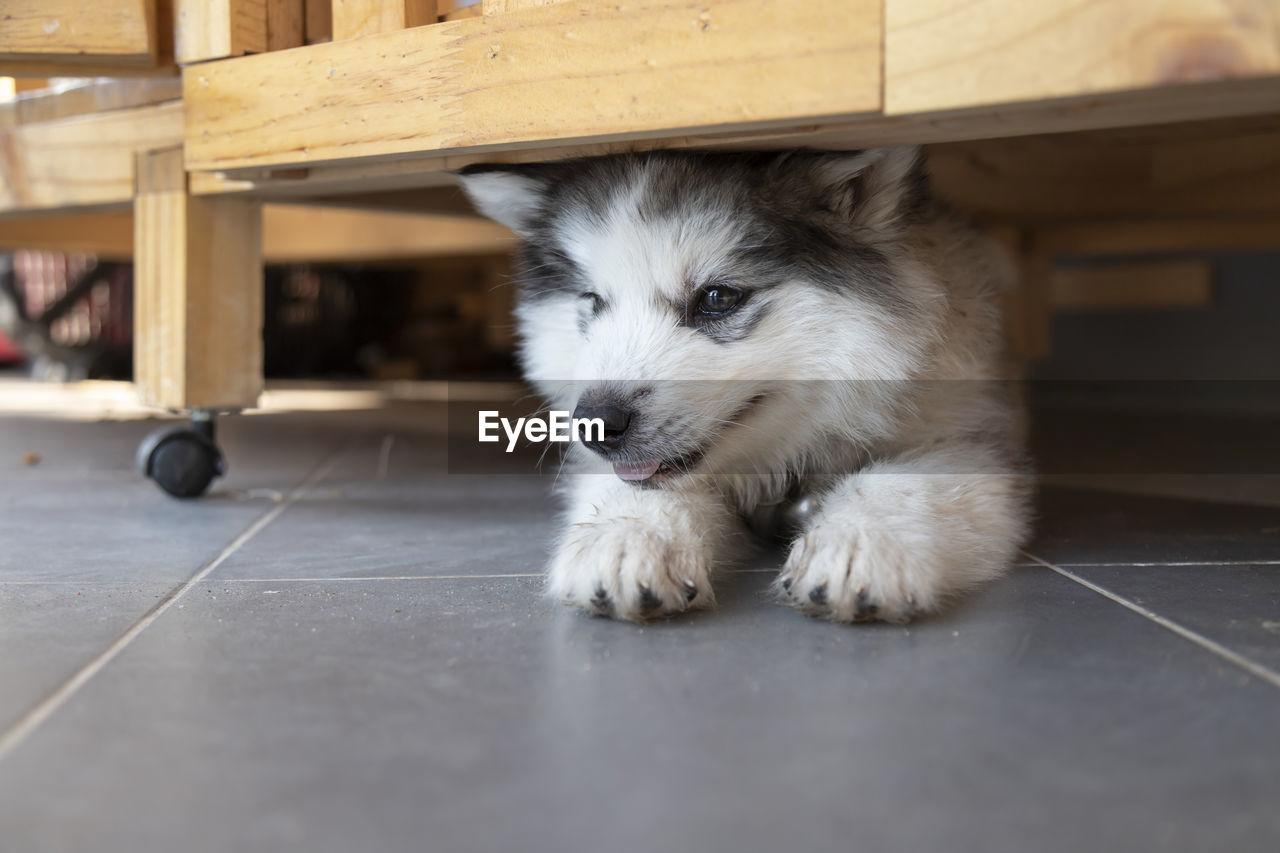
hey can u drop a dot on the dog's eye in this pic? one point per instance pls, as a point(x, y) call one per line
point(718, 299)
point(594, 298)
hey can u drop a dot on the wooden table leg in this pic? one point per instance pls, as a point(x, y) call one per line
point(198, 292)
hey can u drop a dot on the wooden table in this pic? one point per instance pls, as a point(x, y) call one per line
point(1070, 128)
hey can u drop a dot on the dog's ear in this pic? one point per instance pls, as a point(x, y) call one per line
point(873, 188)
point(512, 195)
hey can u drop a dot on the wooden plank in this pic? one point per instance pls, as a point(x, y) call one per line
point(460, 12)
point(116, 33)
point(85, 69)
point(82, 161)
point(501, 7)
point(1132, 286)
point(107, 234)
point(1186, 236)
point(1026, 311)
point(96, 96)
point(286, 24)
point(315, 234)
point(29, 84)
point(1204, 103)
point(969, 53)
point(1032, 178)
point(354, 18)
point(1194, 169)
point(445, 200)
point(291, 234)
point(198, 292)
point(319, 21)
point(1032, 300)
point(215, 29)
point(649, 68)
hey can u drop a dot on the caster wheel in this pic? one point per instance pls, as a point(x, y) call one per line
point(183, 462)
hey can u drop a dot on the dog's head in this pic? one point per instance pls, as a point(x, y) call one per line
point(681, 296)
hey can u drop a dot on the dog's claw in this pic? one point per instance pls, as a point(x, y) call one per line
point(786, 584)
point(648, 601)
point(690, 590)
point(864, 607)
point(601, 600)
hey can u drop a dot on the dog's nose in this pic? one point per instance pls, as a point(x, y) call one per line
point(615, 417)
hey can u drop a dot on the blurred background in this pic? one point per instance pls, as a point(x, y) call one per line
point(68, 316)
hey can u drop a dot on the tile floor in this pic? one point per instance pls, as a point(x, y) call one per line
point(344, 648)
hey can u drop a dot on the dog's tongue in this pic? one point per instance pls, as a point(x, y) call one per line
point(636, 470)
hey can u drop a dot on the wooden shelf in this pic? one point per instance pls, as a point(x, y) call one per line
point(1068, 127)
point(72, 38)
point(564, 73)
point(290, 234)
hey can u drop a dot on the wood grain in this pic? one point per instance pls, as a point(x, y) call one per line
point(290, 234)
point(572, 71)
point(354, 18)
point(217, 29)
point(286, 24)
point(501, 7)
point(82, 161)
point(96, 96)
point(198, 292)
point(119, 33)
point(214, 29)
point(316, 234)
point(956, 54)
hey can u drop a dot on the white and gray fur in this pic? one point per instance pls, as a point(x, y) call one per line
point(860, 370)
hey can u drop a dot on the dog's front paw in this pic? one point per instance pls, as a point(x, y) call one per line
point(858, 574)
point(630, 571)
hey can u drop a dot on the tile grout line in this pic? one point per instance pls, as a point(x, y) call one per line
point(1255, 669)
point(34, 718)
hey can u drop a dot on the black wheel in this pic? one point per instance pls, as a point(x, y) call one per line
point(182, 461)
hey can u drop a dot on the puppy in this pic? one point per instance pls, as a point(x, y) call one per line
point(803, 335)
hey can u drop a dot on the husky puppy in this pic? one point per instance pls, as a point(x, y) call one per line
point(761, 328)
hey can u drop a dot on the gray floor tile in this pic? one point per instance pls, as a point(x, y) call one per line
point(400, 514)
point(471, 715)
point(431, 529)
point(1237, 606)
point(82, 514)
point(123, 537)
point(48, 632)
point(263, 713)
point(101, 453)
